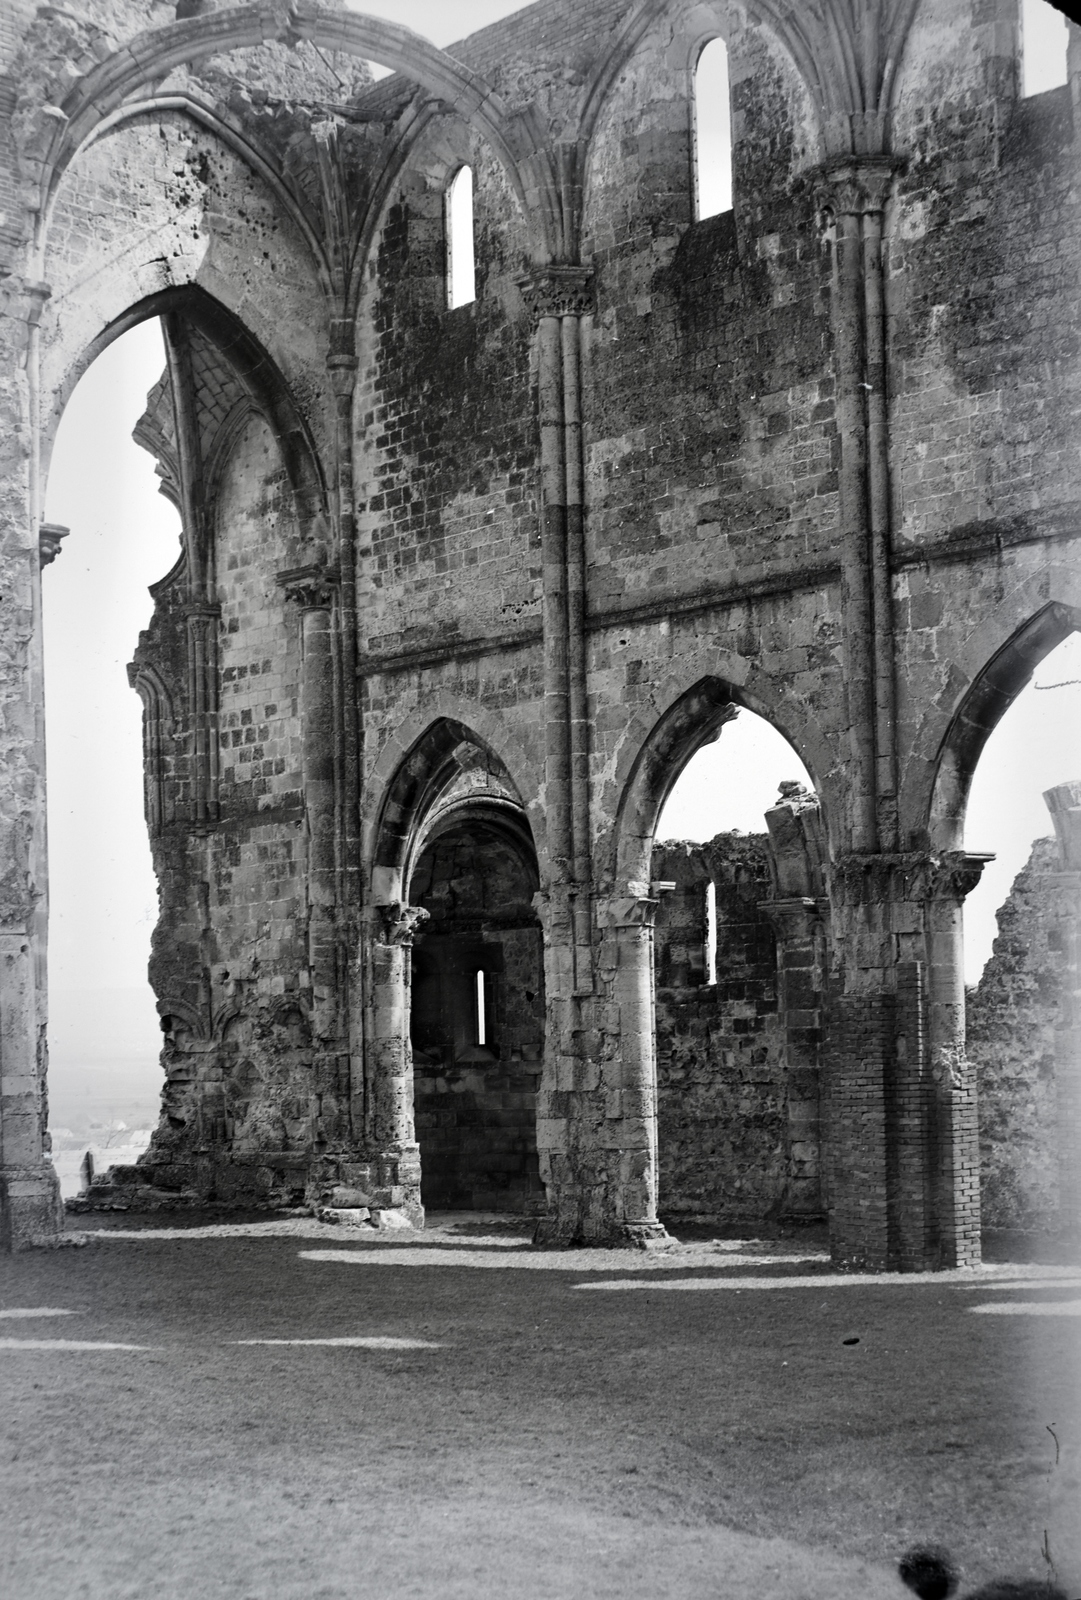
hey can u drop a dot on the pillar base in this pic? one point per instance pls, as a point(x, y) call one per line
point(31, 1210)
point(565, 1233)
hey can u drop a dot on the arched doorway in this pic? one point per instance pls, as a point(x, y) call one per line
point(775, 890)
point(477, 1017)
point(455, 983)
point(739, 958)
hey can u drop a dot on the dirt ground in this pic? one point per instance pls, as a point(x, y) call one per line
point(514, 1422)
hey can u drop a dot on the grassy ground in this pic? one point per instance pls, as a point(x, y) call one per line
point(556, 1424)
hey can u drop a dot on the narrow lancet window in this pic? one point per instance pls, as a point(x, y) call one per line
point(1044, 43)
point(461, 266)
point(712, 132)
point(711, 932)
point(481, 1000)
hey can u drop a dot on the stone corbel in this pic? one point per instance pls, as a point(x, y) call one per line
point(50, 535)
point(312, 587)
point(399, 924)
point(558, 292)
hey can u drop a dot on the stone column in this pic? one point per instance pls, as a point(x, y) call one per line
point(799, 914)
point(30, 1207)
point(559, 297)
point(855, 191)
point(390, 1082)
point(630, 1093)
point(313, 591)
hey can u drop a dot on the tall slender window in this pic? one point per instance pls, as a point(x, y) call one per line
point(1044, 42)
point(711, 932)
point(461, 267)
point(481, 1002)
point(712, 132)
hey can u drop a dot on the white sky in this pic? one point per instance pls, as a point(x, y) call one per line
point(124, 537)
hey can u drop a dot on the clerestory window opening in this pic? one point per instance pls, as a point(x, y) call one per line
point(712, 132)
point(461, 257)
point(711, 932)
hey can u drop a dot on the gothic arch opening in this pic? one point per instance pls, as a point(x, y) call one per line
point(221, 753)
point(737, 883)
point(477, 1017)
point(114, 535)
point(454, 844)
point(1011, 776)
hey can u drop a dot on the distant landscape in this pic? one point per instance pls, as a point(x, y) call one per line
point(104, 1077)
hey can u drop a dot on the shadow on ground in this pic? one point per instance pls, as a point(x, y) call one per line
point(199, 1408)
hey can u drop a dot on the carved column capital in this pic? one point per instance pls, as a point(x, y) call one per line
point(911, 875)
point(794, 921)
point(856, 185)
point(628, 911)
point(200, 613)
point(49, 536)
point(312, 587)
point(399, 924)
point(558, 291)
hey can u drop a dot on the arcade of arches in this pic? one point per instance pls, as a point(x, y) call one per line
point(464, 587)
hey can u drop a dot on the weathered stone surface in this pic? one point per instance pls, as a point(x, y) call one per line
point(463, 589)
point(1022, 1037)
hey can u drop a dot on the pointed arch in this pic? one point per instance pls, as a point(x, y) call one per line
point(152, 55)
point(684, 713)
point(214, 121)
point(408, 812)
point(256, 371)
point(984, 703)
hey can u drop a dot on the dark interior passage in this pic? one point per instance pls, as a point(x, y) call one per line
point(478, 1015)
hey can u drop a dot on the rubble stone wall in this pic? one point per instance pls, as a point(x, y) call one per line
point(721, 1056)
point(1014, 1014)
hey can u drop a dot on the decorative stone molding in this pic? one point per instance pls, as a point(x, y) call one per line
point(794, 921)
point(558, 292)
point(312, 587)
point(50, 535)
point(914, 875)
point(630, 911)
point(399, 924)
point(856, 186)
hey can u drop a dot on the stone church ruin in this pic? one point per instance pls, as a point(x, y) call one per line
point(468, 575)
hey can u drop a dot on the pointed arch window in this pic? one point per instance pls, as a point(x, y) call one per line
point(712, 132)
point(461, 263)
point(1044, 43)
